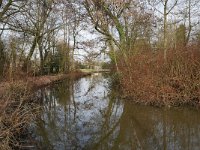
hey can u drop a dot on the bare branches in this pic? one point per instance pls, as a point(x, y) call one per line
point(172, 7)
point(10, 7)
point(5, 8)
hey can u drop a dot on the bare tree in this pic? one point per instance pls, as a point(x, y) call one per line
point(191, 14)
point(168, 6)
point(121, 22)
point(33, 21)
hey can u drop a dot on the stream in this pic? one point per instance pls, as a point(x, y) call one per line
point(89, 114)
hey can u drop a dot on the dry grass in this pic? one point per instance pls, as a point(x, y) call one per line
point(17, 110)
point(151, 80)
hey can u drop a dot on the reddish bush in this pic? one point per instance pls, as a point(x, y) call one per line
point(148, 79)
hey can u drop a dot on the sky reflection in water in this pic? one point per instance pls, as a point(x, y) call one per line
point(88, 114)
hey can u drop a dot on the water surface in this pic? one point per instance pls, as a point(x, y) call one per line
point(89, 114)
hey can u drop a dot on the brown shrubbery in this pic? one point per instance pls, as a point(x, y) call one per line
point(150, 80)
point(17, 110)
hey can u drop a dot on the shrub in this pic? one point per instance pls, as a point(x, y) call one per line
point(150, 80)
point(16, 113)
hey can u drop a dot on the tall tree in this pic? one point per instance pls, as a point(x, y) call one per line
point(168, 6)
point(120, 22)
point(33, 22)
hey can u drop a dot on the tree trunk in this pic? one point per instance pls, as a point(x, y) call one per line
point(189, 20)
point(165, 29)
point(27, 61)
point(2, 59)
point(114, 55)
point(41, 57)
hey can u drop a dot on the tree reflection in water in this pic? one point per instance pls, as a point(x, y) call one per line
point(89, 114)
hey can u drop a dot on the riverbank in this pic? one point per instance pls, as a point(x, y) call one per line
point(18, 107)
point(151, 80)
point(40, 81)
point(95, 70)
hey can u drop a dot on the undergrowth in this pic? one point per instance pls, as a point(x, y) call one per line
point(17, 110)
point(150, 79)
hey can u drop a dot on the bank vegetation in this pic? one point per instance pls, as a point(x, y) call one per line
point(153, 47)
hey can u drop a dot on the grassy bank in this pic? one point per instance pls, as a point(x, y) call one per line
point(151, 80)
point(18, 107)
